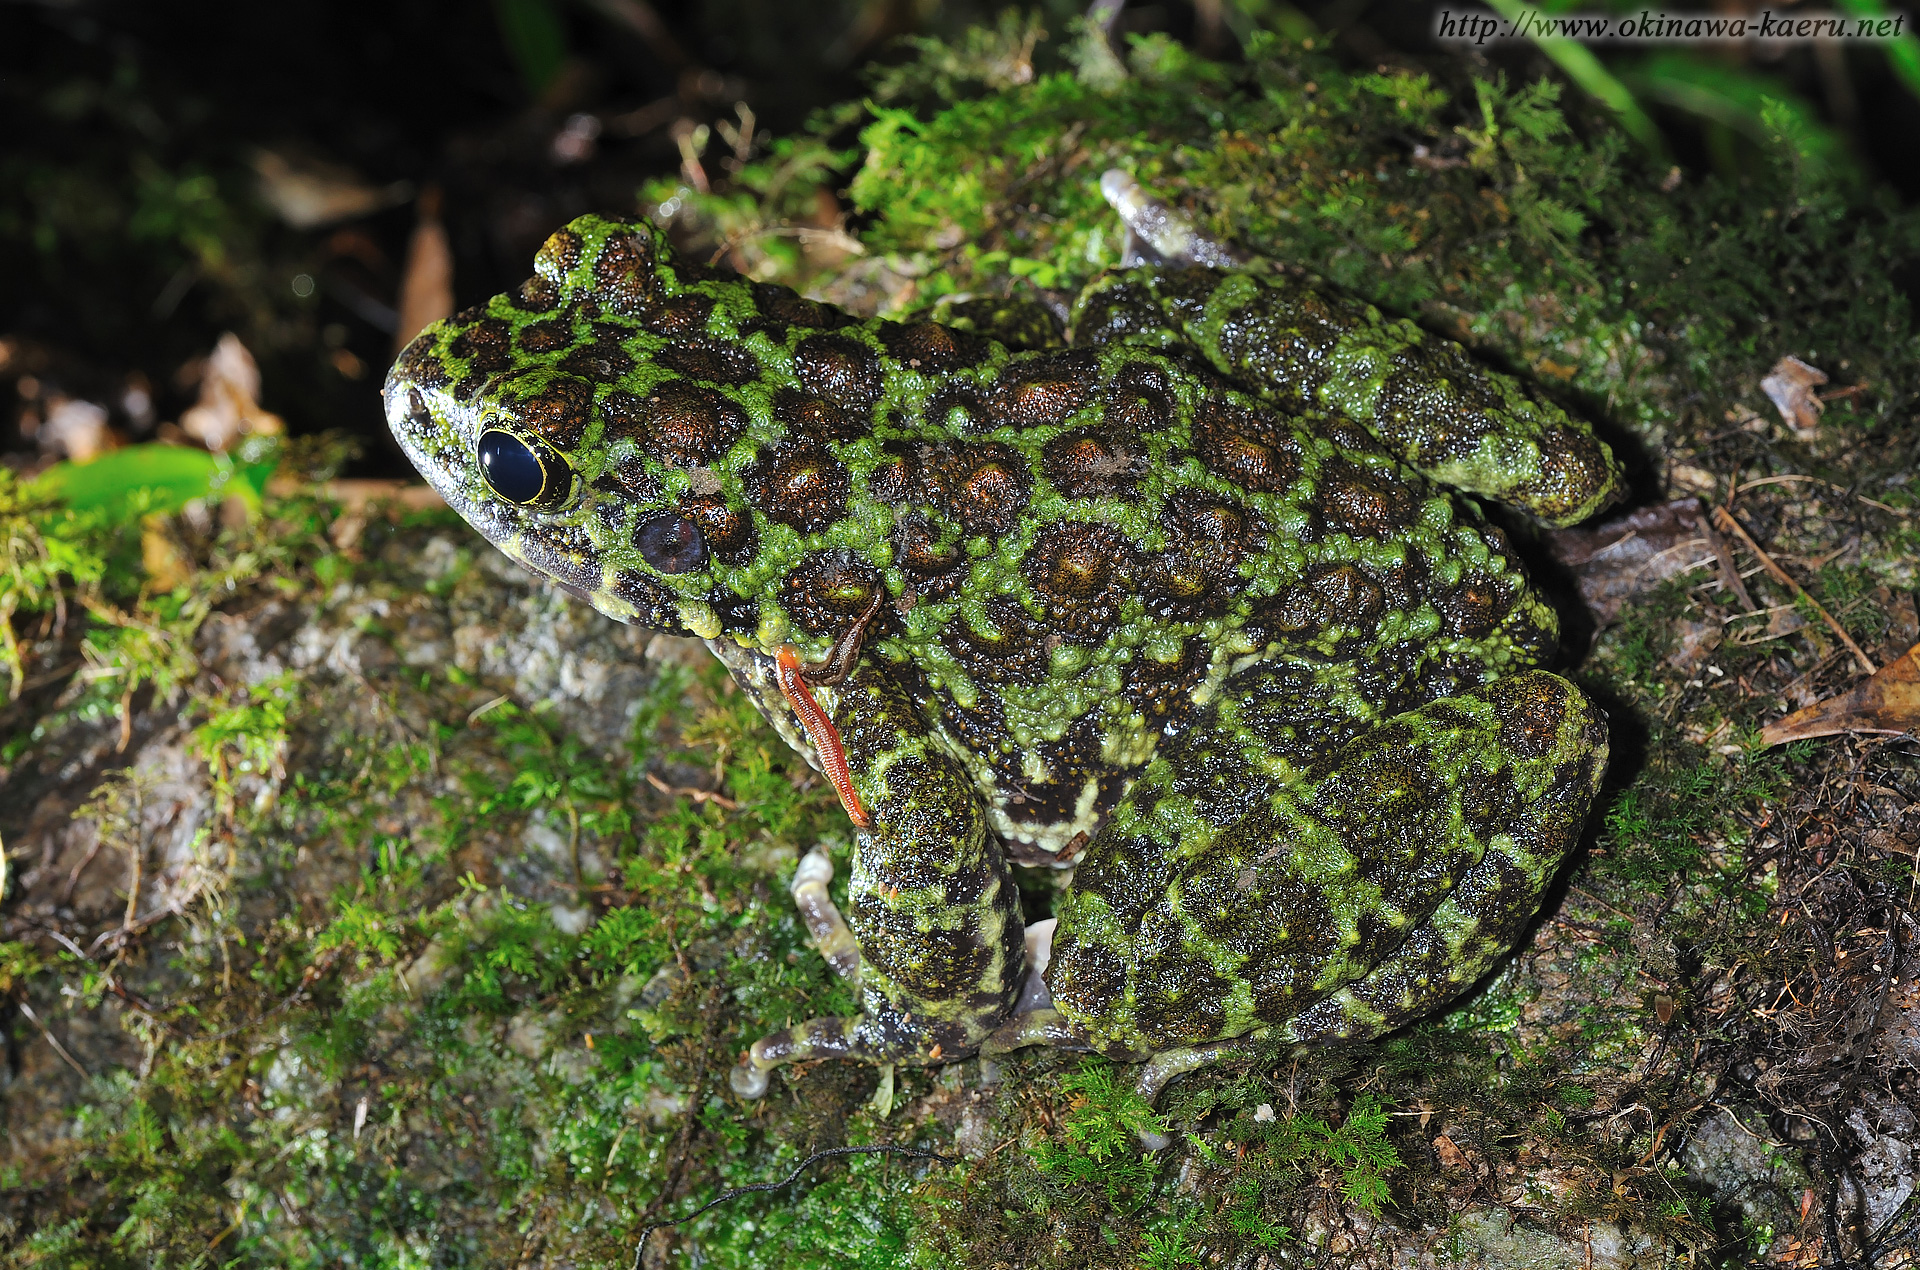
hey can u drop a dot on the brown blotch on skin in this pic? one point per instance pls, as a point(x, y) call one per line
point(623, 277)
point(1162, 690)
point(1088, 463)
point(1334, 595)
point(1360, 500)
point(932, 559)
point(1252, 452)
point(554, 407)
point(1436, 400)
point(716, 361)
point(958, 410)
point(1183, 292)
point(986, 486)
point(930, 347)
point(1346, 595)
point(1141, 399)
point(1081, 571)
point(738, 614)
point(841, 369)
point(536, 295)
point(558, 256)
point(1490, 801)
point(1530, 708)
point(681, 424)
point(1116, 312)
point(1572, 465)
point(1475, 606)
point(1282, 337)
point(728, 530)
point(800, 484)
point(629, 481)
point(784, 305)
point(601, 362)
point(1199, 571)
point(487, 345)
point(1403, 582)
point(897, 478)
point(814, 417)
point(544, 337)
point(564, 553)
point(682, 317)
point(1044, 389)
point(1016, 649)
point(420, 365)
point(829, 591)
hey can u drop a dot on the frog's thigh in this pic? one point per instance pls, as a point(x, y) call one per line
point(931, 905)
point(1396, 872)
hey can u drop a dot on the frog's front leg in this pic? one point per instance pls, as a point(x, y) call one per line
point(933, 913)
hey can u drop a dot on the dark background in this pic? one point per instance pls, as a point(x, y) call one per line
point(132, 232)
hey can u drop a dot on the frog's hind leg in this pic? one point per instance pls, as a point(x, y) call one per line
point(1229, 896)
point(1476, 925)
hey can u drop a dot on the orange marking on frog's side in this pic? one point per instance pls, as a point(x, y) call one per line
point(820, 730)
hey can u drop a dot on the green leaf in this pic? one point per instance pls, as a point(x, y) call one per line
point(151, 478)
point(534, 35)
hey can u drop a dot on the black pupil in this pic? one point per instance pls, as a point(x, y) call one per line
point(671, 543)
point(511, 467)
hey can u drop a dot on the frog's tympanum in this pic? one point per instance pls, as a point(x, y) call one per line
point(1183, 602)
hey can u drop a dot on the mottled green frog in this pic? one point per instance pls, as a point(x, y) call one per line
point(1181, 602)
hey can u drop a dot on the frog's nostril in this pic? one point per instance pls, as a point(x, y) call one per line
point(531, 475)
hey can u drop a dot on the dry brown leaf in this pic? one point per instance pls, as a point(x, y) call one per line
point(1888, 702)
point(426, 288)
point(1450, 1155)
point(1789, 386)
point(165, 563)
point(1633, 553)
point(229, 406)
point(75, 429)
point(309, 194)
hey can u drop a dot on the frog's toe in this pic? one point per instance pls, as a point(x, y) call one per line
point(749, 1079)
point(1034, 994)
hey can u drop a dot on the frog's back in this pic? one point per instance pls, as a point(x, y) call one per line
point(1076, 547)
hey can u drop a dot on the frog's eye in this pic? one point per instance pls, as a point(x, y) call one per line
point(670, 543)
point(525, 471)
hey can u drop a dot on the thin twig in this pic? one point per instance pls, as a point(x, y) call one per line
point(1729, 523)
point(124, 933)
point(687, 791)
point(54, 1041)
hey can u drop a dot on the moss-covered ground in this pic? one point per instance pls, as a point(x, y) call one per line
point(373, 906)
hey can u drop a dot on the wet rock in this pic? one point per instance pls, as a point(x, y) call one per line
point(1881, 1176)
point(1732, 1154)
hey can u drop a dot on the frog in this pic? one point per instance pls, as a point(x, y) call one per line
point(1190, 599)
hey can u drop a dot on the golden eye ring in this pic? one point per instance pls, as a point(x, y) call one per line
point(525, 471)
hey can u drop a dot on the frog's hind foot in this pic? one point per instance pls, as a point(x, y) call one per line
point(1158, 234)
point(817, 1038)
